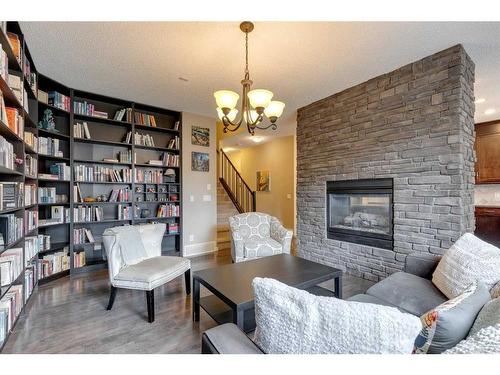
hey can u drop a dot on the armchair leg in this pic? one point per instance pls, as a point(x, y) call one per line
point(112, 296)
point(187, 280)
point(150, 301)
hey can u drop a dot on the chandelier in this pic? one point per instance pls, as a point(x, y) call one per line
point(254, 104)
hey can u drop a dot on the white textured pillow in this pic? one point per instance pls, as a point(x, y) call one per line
point(294, 321)
point(486, 341)
point(466, 261)
point(488, 316)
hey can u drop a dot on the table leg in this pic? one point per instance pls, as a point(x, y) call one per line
point(239, 317)
point(338, 287)
point(196, 300)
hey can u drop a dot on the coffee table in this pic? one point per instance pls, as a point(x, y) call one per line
point(231, 285)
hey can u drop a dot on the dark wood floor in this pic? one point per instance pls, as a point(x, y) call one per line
point(69, 316)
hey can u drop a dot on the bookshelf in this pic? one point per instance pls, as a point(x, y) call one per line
point(140, 193)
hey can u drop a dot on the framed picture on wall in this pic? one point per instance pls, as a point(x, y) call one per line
point(199, 161)
point(200, 136)
point(263, 181)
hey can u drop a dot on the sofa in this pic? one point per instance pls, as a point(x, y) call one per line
point(256, 235)
point(411, 291)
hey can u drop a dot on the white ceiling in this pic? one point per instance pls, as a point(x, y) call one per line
point(299, 61)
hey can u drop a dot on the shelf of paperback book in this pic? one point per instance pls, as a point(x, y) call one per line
point(29, 149)
point(100, 203)
point(100, 162)
point(102, 221)
point(56, 246)
point(103, 143)
point(52, 134)
point(104, 182)
point(53, 108)
point(9, 134)
point(79, 116)
point(155, 166)
point(154, 148)
point(156, 128)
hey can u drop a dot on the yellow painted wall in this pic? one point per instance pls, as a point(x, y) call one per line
point(278, 157)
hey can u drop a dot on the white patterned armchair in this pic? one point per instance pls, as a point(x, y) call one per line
point(256, 235)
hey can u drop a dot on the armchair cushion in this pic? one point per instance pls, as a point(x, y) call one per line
point(151, 272)
point(261, 248)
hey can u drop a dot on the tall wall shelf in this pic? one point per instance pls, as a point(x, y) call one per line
point(150, 186)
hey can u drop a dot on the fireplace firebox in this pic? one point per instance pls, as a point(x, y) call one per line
point(361, 211)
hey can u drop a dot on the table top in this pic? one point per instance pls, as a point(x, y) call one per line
point(234, 281)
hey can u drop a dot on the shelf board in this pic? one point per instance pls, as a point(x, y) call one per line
point(9, 210)
point(30, 149)
point(29, 90)
point(155, 148)
point(103, 183)
point(100, 162)
point(52, 134)
point(5, 170)
point(99, 203)
point(171, 234)
point(156, 218)
point(51, 180)
point(51, 225)
point(30, 206)
point(54, 204)
point(102, 142)
point(52, 277)
point(156, 128)
point(28, 177)
point(102, 221)
point(60, 110)
point(102, 120)
point(12, 245)
point(9, 134)
point(54, 247)
point(62, 158)
point(153, 166)
point(31, 232)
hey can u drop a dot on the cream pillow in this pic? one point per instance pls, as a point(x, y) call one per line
point(466, 261)
point(292, 321)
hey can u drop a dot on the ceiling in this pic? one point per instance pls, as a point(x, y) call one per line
point(299, 61)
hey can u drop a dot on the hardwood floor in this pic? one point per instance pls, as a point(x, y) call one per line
point(69, 316)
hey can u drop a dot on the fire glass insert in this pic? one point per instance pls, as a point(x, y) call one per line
point(360, 211)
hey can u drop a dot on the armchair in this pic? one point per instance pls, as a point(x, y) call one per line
point(135, 261)
point(256, 235)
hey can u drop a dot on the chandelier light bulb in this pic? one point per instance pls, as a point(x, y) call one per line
point(259, 98)
point(226, 99)
point(274, 109)
point(231, 115)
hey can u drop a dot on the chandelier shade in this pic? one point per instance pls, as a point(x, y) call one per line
point(255, 104)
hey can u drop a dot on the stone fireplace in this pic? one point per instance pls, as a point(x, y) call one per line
point(414, 127)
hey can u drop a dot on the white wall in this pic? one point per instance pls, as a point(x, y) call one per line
point(199, 215)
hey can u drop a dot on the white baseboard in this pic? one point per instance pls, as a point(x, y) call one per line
point(200, 249)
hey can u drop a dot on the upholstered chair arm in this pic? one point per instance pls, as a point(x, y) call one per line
point(237, 243)
point(113, 254)
point(421, 264)
point(281, 234)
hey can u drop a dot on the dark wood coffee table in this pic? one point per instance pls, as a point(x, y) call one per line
point(231, 285)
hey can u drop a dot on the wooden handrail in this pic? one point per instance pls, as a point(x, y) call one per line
point(243, 198)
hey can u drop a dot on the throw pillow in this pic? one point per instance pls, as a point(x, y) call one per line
point(469, 259)
point(446, 325)
point(488, 316)
point(290, 320)
point(486, 341)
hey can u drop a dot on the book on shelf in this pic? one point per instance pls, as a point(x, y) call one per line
point(30, 220)
point(125, 156)
point(15, 121)
point(149, 176)
point(119, 195)
point(77, 193)
point(173, 228)
point(11, 229)
point(6, 154)
point(29, 282)
point(79, 259)
point(32, 246)
point(30, 194)
point(43, 96)
point(49, 146)
point(58, 100)
point(174, 143)
point(30, 165)
point(142, 139)
point(53, 263)
point(124, 212)
point(61, 171)
point(11, 195)
point(4, 65)
point(96, 173)
point(10, 307)
point(15, 44)
point(145, 119)
point(59, 215)
point(155, 162)
point(81, 130)
point(85, 213)
point(124, 114)
point(31, 140)
point(30, 76)
point(168, 210)
point(82, 235)
point(11, 265)
point(88, 109)
point(176, 125)
point(170, 160)
point(110, 160)
point(49, 195)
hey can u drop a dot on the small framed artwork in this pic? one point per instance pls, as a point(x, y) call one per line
point(199, 161)
point(200, 136)
point(263, 181)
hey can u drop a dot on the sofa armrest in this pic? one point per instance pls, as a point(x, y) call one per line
point(227, 339)
point(421, 264)
point(237, 244)
point(282, 235)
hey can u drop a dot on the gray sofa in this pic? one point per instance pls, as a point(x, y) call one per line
point(410, 291)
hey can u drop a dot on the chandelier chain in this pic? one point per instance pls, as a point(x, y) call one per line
point(247, 73)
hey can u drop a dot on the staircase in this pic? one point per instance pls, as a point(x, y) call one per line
point(233, 196)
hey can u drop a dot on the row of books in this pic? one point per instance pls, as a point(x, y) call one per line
point(31, 140)
point(170, 160)
point(173, 228)
point(61, 171)
point(59, 214)
point(96, 173)
point(6, 154)
point(125, 212)
point(11, 195)
point(11, 229)
point(81, 130)
point(15, 84)
point(30, 76)
point(15, 43)
point(174, 143)
point(120, 195)
point(168, 210)
point(82, 235)
point(53, 263)
point(29, 282)
point(87, 213)
point(4, 64)
point(10, 307)
point(31, 165)
point(30, 194)
point(58, 100)
point(79, 259)
point(125, 156)
point(88, 109)
point(11, 265)
point(49, 146)
point(145, 119)
point(124, 114)
point(14, 121)
point(47, 195)
point(30, 220)
point(149, 176)
point(34, 244)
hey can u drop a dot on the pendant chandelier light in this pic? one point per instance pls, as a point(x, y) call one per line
point(254, 104)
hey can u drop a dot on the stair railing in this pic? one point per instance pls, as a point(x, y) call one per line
point(243, 198)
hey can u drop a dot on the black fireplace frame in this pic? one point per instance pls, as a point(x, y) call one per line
point(365, 186)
